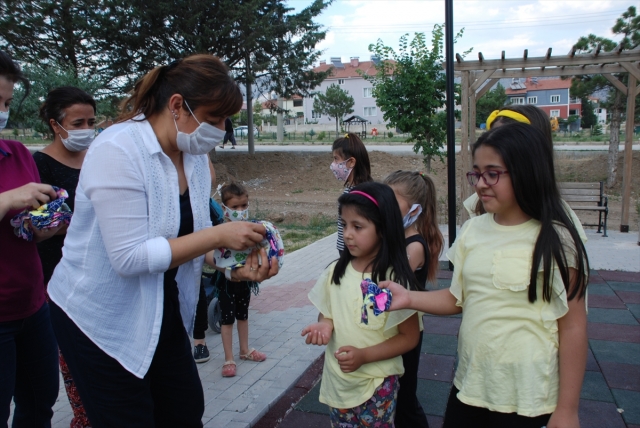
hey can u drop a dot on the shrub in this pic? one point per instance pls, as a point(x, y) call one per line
point(390, 134)
point(322, 135)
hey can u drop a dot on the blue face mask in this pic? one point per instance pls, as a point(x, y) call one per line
point(4, 118)
point(409, 219)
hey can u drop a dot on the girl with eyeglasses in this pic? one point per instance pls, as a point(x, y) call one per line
point(536, 117)
point(520, 279)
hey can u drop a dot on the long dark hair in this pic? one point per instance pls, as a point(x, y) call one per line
point(351, 146)
point(418, 188)
point(388, 223)
point(529, 160)
point(59, 99)
point(538, 119)
point(12, 72)
point(203, 80)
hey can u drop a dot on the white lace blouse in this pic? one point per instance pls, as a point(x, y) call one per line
point(110, 278)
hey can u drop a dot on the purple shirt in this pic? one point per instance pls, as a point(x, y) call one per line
point(21, 283)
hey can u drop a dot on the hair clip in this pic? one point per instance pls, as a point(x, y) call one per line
point(346, 135)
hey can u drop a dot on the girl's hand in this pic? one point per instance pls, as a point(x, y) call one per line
point(253, 271)
point(399, 295)
point(349, 358)
point(564, 419)
point(239, 235)
point(318, 333)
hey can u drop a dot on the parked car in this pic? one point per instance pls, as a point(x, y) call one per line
point(243, 131)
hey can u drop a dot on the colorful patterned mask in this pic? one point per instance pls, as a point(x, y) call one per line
point(373, 295)
point(47, 216)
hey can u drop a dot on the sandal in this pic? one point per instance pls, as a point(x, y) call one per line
point(254, 355)
point(229, 369)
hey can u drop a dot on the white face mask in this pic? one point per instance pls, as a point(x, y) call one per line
point(4, 118)
point(202, 140)
point(235, 215)
point(409, 219)
point(78, 139)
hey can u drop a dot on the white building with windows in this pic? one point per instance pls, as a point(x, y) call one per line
point(346, 76)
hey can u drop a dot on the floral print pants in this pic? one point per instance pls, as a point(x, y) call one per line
point(377, 412)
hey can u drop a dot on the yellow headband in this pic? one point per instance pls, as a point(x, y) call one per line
point(506, 113)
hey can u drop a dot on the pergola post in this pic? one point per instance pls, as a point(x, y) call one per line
point(628, 154)
point(464, 142)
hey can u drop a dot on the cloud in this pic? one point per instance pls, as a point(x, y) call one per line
point(490, 26)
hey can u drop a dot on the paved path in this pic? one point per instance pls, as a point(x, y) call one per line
point(388, 148)
point(278, 314)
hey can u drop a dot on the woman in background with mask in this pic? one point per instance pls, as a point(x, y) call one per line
point(124, 295)
point(70, 114)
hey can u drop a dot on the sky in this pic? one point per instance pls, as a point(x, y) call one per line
point(490, 26)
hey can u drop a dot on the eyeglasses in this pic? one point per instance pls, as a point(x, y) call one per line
point(490, 177)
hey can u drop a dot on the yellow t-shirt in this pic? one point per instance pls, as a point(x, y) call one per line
point(343, 304)
point(471, 202)
point(507, 347)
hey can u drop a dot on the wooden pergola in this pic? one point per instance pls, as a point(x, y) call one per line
point(478, 77)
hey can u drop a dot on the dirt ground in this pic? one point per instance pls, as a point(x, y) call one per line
point(295, 187)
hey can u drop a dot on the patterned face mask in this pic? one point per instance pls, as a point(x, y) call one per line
point(340, 170)
point(235, 215)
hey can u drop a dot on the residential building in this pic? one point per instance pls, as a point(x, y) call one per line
point(294, 106)
point(347, 77)
point(551, 95)
point(601, 112)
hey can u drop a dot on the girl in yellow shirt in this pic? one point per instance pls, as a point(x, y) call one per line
point(520, 279)
point(363, 355)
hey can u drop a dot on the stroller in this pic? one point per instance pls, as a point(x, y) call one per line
point(210, 277)
point(214, 313)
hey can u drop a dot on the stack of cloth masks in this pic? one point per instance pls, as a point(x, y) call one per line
point(227, 258)
point(47, 216)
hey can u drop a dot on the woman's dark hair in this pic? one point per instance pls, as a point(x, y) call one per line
point(538, 119)
point(529, 160)
point(59, 99)
point(351, 146)
point(230, 190)
point(203, 80)
point(387, 220)
point(12, 72)
point(418, 188)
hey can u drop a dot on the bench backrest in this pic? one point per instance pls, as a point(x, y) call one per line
point(582, 192)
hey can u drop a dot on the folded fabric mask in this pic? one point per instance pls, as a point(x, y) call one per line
point(225, 257)
point(46, 216)
point(378, 298)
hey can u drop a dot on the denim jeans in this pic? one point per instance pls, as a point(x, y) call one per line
point(28, 370)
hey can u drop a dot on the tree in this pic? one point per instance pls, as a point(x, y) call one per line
point(492, 100)
point(409, 87)
point(335, 102)
point(59, 33)
point(50, 76)
point(627, 25)
point(589, 117)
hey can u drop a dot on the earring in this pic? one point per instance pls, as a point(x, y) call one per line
point(175, 115)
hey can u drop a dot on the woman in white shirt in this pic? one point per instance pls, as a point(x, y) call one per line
point(125, 292)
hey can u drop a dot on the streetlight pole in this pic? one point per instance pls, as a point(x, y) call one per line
point(451, 133)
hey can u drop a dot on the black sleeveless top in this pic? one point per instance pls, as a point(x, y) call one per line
point(186, 227)
point(60, 175)
point(421, 274)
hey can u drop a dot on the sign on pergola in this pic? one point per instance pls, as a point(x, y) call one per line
point(478, 77)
